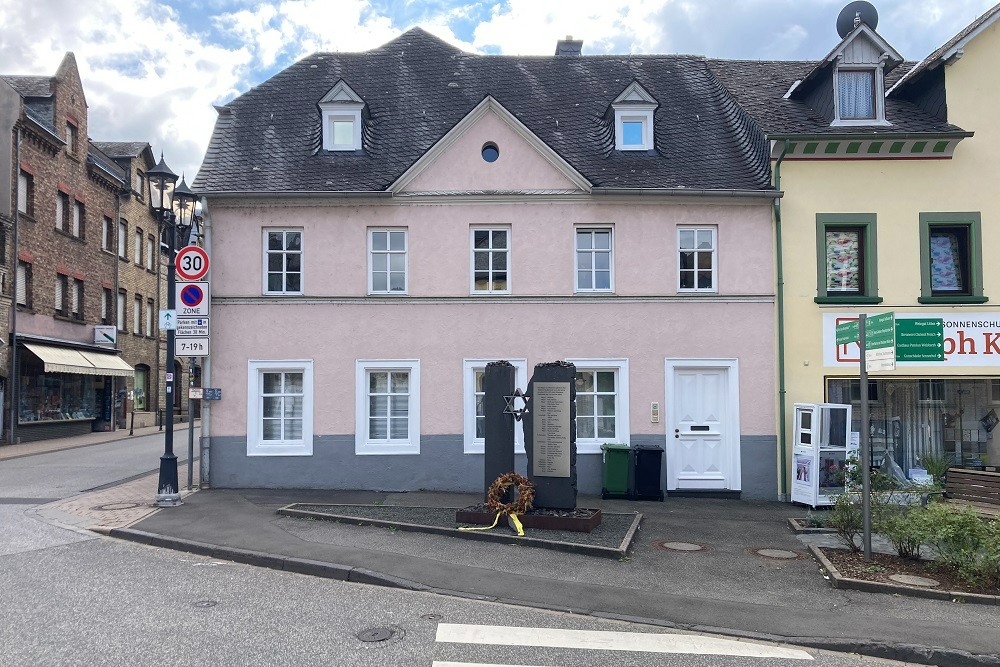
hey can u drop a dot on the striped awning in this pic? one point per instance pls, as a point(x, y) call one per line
point(65, 360)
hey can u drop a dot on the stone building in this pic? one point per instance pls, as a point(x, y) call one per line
point(64, 195)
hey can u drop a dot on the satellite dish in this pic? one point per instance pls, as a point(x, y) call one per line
point(856, 10)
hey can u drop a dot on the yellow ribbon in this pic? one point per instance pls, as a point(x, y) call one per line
point(513, 518)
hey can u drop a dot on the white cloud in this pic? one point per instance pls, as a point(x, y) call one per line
point(147, 77)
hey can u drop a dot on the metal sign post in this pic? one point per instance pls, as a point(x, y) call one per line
point(866, 451)
point(190, 424)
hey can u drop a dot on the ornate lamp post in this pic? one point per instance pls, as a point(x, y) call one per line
point(175, 209)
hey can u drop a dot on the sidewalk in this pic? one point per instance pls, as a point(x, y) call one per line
point(725, 587)
point(72, 442)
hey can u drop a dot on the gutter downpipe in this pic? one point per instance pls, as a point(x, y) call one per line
point(14, 385)
point(780, 305)
point(205, 440)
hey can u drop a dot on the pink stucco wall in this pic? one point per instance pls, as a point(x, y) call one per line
point(645, 236)
point(441, 335)
point(439, 324)
point(461, 167)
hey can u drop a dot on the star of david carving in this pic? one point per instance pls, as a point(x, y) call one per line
point(509, 408)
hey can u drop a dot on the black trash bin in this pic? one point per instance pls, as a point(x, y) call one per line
point(647, 467)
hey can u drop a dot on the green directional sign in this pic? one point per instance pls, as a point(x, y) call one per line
point(848, 332)
point(920, 339)
point(880, 331)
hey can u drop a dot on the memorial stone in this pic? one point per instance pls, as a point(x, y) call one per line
point(550, 435)
point(498, 385)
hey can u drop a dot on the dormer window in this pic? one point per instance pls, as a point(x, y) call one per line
point(860, 63)
point(341, 116)
point(634, 119)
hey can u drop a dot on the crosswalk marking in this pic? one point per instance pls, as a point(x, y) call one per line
point(498, 635)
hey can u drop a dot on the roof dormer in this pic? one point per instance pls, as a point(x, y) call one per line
point(860, 63)
point(340, 110)
point(634, 109)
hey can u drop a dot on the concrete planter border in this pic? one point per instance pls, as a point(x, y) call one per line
point(799, 528)
point(570, 547)
point(837, 580)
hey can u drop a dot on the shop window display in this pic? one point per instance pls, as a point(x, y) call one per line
point(915, 419)
point(57, 396)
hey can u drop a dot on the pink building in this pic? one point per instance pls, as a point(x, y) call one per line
point(383, 224)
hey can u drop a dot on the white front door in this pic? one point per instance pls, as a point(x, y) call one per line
point(702, 425)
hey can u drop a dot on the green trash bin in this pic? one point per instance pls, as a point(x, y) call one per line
point(616, 467)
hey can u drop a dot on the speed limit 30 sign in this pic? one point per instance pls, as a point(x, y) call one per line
point(191, 263)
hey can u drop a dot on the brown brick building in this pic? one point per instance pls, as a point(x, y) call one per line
point(82, 257)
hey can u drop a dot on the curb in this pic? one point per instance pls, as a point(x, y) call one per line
point(837, 580)
point(800, 528)
point(913, 653)
point(618, 552)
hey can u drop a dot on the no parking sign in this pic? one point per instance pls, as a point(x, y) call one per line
point(192, 299)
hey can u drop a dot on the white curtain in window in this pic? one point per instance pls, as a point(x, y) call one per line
point(22, 192)
point(856, 94)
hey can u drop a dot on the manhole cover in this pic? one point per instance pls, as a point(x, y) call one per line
point(204, 604)
point(777, 554)
point(111, 507)
point(375, 634)
point(913, 580)
point(432, 617)
point(688, 547)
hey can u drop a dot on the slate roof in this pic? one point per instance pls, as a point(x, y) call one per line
point(30, 86)
point(932, 60)
point(760, 87)
point(121, 149)
point(417, 88)
point(103, 161)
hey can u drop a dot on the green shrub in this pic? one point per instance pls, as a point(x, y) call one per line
point(963, 541)
point(847, 519)
point(904, 526)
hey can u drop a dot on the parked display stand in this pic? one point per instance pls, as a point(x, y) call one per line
point(823, 445)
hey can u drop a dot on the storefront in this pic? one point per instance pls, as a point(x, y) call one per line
point(64, 391)
point(927, 413)
point(916, 420)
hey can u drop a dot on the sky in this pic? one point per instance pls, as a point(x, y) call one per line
point(153, 69)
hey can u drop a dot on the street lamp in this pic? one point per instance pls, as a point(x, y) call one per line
point(174, 204)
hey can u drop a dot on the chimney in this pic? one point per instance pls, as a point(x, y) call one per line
point(569, 46)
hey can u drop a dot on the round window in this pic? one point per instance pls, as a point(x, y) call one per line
point(490, 152)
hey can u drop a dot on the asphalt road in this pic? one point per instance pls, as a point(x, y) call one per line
point(69, 597)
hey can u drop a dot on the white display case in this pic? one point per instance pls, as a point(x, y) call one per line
point(820, 452)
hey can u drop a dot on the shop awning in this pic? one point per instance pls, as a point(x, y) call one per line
point(64, 360)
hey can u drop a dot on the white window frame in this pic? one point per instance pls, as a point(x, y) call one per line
point(150, 252)
point(284, 253)
point(362, 444)
point(474, 445)
point(137, 250)
point(120, 311)
point(23, 189)
point(642, 113)
point(341, 104)
point(878, 92)
point(79, 219)
point(137, 315)
point(256, 446)
point(406, 260)
point(149, 317)
point(622, 432)
point(472, 257)
point(123, 238)
point(576, 259)
point(714, 289)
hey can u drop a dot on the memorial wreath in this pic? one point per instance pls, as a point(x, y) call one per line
point(494, 500)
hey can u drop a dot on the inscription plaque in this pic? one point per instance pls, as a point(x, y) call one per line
point(550, 406)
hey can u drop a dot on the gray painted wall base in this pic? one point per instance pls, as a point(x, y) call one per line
point(442, 465)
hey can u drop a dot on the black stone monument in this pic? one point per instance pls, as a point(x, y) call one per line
point(550, 435)
point(498, 383)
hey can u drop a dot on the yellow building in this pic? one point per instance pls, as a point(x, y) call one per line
point(890, 178)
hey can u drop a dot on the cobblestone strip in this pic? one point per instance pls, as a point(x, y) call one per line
point(117, 507)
